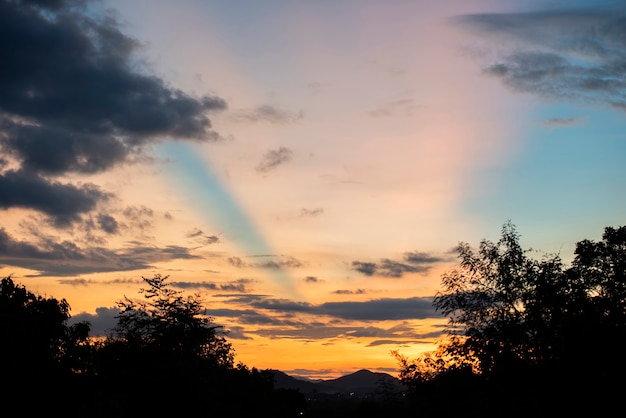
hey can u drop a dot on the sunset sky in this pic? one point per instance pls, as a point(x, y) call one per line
point(307, 167)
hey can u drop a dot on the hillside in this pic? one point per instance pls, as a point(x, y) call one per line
point(363, 383)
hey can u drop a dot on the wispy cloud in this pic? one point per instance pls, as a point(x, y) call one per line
point(555, 122)
point(52, 258)
point(238, 286)
point(274, 158)
point(569, 54)
point(266, 113)
point(311, 212)
point(404, 107)
point(372, 310)
point(204, 239)
point(414, 262)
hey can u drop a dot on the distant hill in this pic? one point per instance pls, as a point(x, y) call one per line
point(363, 383)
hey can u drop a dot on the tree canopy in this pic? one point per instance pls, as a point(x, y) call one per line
point(531, 324)
point(172, 324)
point(165, 356)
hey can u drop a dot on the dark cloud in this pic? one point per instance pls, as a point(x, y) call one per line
point(236, 262)
point(87, 282)
point(350, 292)
point(274, 158)
point(247, 316)
point(73, 101)
point(381, 309)
point(372, 310)
point(267, 113)
point(62, 203)
point(283, 305)
point(336, 333)
point(416, 257)
point(391, 268)
point(202, 238)
point(366, 268)
point(236, 333)
point(576, 54)
point(66, 258)
point(238, 286)
point(311, 279)
point(404, 343)
point(277, 320)
point(108, 223)
point(414, 262)
point(102, 322)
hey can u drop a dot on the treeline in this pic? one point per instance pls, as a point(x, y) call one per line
point(163, 358)
point(528, 337)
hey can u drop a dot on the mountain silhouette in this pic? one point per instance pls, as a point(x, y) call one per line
point(363, 383)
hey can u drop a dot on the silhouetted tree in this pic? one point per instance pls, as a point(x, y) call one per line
point(163, 343)
point(41, 355)
point(529, 331)
point(172, 324)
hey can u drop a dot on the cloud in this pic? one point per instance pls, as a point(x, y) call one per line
point(236, 262)
point(561, 121)
point(576, 54)
point(289, 262)
point(277, 319)
point(381, 309)
point(414, 262)
point(87, 282)
point(416, 257)
point(66, 258)
point(267, 113)
point(311, 212)
point(350, 292)
point(238, 286)
point(236, 333)
point(204, 239)
point(108, 223)
point(72, 100)
point(372, 310)
point(275, 263)
point(274, 158)
point(101, 323)
point(62, 203)
point(366, 268)
point(337, 333)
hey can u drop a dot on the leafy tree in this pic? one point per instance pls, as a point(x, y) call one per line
point(172, 355)
point(174, 325)
point(502, 306)
point(41, 355)
point(530, 325)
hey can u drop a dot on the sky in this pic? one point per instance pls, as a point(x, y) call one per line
point(306, 168)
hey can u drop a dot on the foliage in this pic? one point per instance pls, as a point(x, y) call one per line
point(34, 329)
point(40, 353)
point(171, 324)
point(514, 319)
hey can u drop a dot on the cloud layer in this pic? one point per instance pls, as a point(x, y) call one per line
point(577, 55)
point(73, 99)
